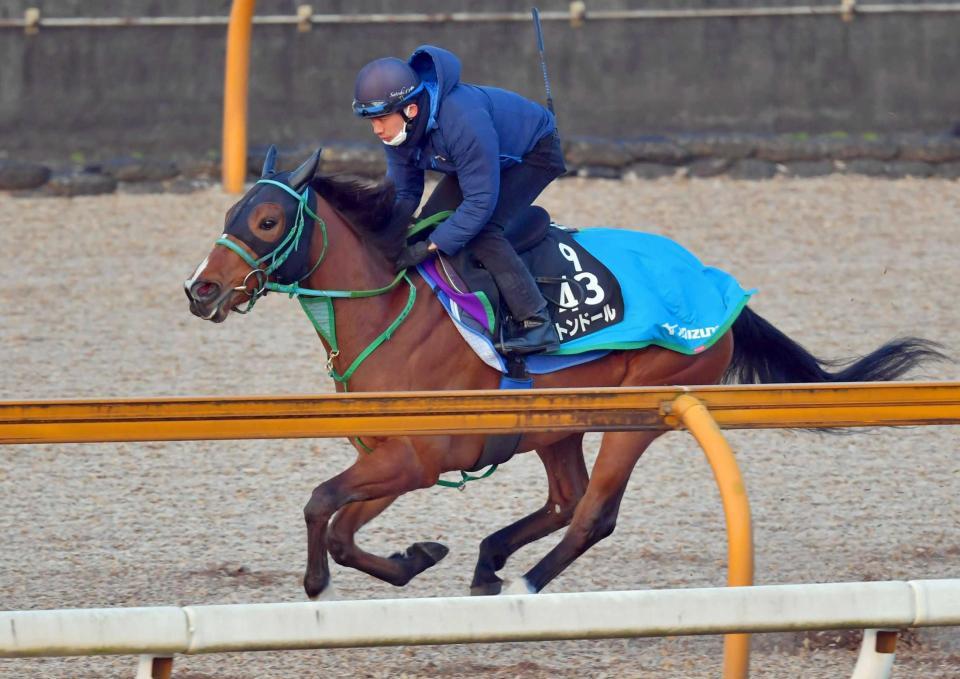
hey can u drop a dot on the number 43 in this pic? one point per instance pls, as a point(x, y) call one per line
point(567, 299)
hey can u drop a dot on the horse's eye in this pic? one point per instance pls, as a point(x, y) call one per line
point(268, 224)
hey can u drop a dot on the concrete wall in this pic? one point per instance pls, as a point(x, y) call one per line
point(122, 90)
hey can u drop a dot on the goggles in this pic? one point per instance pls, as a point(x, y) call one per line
point(375, 109)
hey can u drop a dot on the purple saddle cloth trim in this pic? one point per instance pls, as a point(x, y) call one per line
point(537, 364)
point(465, 300)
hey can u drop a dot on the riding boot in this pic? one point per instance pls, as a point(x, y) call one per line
point(538, 334)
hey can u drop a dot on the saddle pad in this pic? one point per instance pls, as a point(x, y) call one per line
point(670, 299)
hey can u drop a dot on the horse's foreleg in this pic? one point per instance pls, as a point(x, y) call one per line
point(567, 478)
point(398, 569)
point(392, 468)
point(596, 515)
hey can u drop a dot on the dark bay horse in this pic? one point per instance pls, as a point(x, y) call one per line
point(331, 234)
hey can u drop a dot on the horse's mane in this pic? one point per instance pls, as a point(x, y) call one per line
point(368, 209)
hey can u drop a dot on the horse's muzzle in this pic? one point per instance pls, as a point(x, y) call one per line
point(206, 299)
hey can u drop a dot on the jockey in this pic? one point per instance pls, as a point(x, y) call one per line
point(497, 150)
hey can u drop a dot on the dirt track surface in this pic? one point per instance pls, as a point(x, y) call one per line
point(93, 307)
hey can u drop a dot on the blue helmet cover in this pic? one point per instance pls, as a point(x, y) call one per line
point(384, 86)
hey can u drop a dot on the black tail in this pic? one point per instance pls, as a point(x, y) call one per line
point(764, 355)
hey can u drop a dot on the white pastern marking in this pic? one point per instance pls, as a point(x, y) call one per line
point(518, 586)
point(328, 594)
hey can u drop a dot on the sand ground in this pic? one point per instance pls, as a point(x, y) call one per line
point(93, 308)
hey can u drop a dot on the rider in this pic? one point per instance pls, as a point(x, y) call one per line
point(497, 150)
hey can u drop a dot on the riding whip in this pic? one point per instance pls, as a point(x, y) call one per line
point(543, 60)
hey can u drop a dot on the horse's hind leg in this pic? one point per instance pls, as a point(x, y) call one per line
point(596, 515)
point(567, 477)
point(398, 569)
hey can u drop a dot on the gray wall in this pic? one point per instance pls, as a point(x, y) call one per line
point(121, 90)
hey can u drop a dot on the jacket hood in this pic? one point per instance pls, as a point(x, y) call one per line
point(439, 70)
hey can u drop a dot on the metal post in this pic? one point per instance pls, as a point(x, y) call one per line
point(876, 655)
point(235, 95)
point(151, 667)
point(736, 508)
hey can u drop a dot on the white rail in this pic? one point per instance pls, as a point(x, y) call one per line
point(392, 622)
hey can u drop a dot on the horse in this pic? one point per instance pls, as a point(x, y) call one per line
point(306, 230)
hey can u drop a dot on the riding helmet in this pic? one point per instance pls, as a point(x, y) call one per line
point(384, 86)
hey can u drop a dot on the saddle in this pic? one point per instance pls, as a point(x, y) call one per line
point(582, 295)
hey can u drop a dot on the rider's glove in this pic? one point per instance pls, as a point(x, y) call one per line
point(412, 255)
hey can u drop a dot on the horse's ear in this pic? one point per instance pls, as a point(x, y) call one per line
point(304, 173)
point(269, 162)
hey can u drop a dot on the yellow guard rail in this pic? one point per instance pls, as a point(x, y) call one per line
point(471, 412)
point(461, 412)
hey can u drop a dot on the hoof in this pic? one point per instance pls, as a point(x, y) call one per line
point(487, 589)
point(433, 552)
point(419, 557)
point(329, 593)
point(315, 587)
point(423, 554)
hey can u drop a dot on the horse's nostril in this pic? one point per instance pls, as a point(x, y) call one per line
point(203, 290)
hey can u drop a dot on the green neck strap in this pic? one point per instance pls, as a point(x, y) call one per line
point(318, 305)
point(380, 339)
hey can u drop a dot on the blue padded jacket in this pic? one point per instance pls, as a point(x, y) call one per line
point(472, 132)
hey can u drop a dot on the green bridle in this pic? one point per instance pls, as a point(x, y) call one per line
point(279, 254)
point(318, 304)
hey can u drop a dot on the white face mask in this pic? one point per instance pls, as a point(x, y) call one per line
point(402, 134)
point(399, 139)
